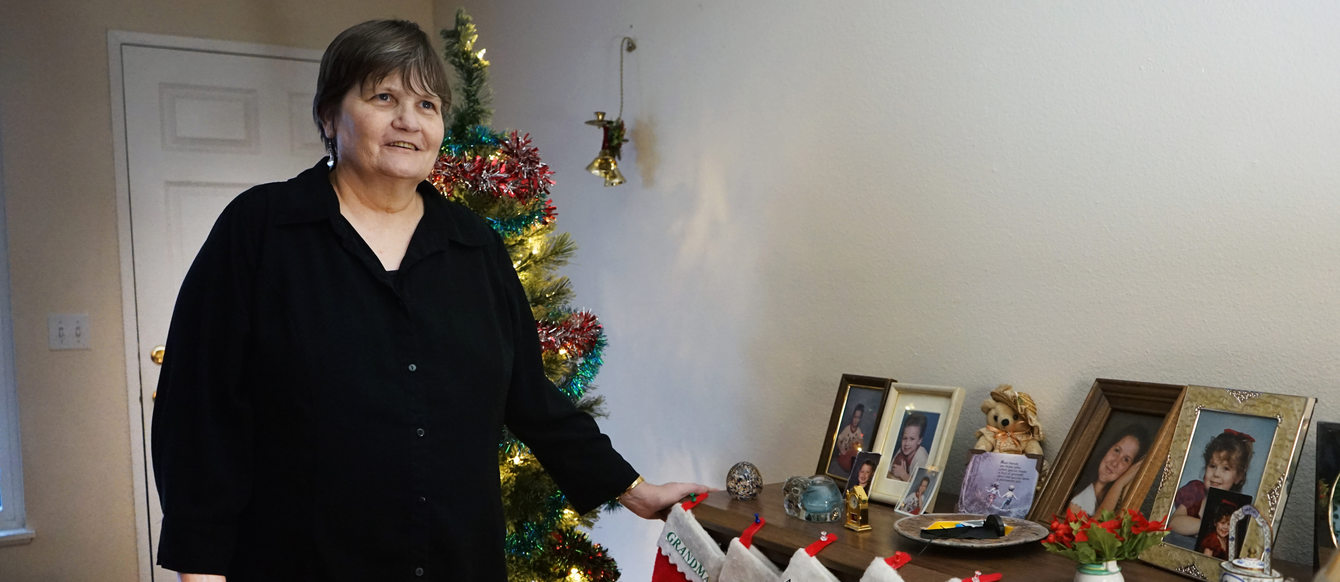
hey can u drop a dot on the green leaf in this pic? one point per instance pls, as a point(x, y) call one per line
point(1105, 543)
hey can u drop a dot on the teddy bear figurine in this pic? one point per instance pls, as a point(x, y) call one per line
point(1011, 423)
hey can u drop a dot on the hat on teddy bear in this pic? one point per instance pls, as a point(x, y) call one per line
point(1022, 404)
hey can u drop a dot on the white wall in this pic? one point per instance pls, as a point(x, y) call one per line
point(1035, 193)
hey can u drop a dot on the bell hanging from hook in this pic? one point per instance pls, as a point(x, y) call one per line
point(606, 163)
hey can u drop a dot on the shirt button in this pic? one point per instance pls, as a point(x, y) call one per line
point(418, 571)
point(419, 431)
point(423, 499)
point(412, 367)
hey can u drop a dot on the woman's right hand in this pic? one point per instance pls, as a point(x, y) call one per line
point(200, 578)
point(1128, 476)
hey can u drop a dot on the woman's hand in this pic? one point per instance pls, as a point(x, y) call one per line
point(1128, 476)
point(651, 501)
point(200, 578)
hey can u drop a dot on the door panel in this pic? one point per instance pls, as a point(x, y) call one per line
point(201, 127)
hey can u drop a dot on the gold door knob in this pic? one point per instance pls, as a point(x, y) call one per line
point(156, 355)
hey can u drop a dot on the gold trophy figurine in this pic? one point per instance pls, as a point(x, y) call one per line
point(858, 509)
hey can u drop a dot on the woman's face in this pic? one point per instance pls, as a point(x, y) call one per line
point(863, 477)
point(1222, 472)
point(1118, 459)
point(387, 130)
point(921, 487)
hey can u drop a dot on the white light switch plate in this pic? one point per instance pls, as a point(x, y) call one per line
point(67, 331)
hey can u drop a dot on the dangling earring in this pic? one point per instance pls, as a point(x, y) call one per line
point(330, 150)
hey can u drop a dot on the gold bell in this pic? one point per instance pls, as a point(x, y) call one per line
point(606, 164)
point(603, 164)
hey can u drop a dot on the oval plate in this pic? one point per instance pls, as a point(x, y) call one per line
point(1024, 531)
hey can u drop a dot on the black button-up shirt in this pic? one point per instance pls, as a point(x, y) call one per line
point(321, 419)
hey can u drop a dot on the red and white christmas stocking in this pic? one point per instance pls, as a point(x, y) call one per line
point(886, 569)
point(684, 552)
point(744, 563)
point(804, 567)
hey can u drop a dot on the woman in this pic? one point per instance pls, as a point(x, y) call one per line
point(345, 352)
point(1121, 460)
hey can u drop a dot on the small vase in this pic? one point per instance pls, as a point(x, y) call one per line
point(1104, 572)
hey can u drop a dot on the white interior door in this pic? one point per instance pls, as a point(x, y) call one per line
point(201, 126)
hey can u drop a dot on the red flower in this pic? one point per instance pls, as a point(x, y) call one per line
point(1147, 526)
point(1072, 516)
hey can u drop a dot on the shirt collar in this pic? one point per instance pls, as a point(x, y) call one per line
point(312, 199)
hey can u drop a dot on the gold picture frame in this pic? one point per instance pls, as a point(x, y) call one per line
point(870, 394)
point(1275, 424)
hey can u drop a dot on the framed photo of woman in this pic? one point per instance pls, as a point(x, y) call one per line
point(857, 412)
point(1232, 445)
point(916, 431)
point(1101, 464)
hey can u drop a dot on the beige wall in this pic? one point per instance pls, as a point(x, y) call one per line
point(61, 202)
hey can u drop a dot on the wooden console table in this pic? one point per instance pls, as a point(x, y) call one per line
point(724, 518)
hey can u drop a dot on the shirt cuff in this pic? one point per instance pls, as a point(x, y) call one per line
point(196, 546)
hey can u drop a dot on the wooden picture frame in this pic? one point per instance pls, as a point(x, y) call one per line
point(1327, 507)
point(1106, 415)
point(1276, 427)
point(935, 409)
point(870, 394)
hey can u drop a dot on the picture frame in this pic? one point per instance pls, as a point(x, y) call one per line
point(931, 411)
point(912, 504)
point(863, 459)
point(868, 393)
point(1004, 484)
point(1327, 507)
point(1252, 442)
point(1114, 409)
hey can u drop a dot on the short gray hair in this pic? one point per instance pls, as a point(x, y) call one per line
point(369, 52)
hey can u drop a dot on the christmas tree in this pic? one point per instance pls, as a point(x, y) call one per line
point(500, 176)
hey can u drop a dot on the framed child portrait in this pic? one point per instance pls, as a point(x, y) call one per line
point(1229, 447)
point(916, 431)
point(1102, 463)
point(863, 470)
point(857, 412)
point(921, 492)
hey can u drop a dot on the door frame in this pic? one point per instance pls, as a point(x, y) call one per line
point(135, 354)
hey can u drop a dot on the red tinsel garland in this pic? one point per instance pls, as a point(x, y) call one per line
point(576, 334)
point(515, 172)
